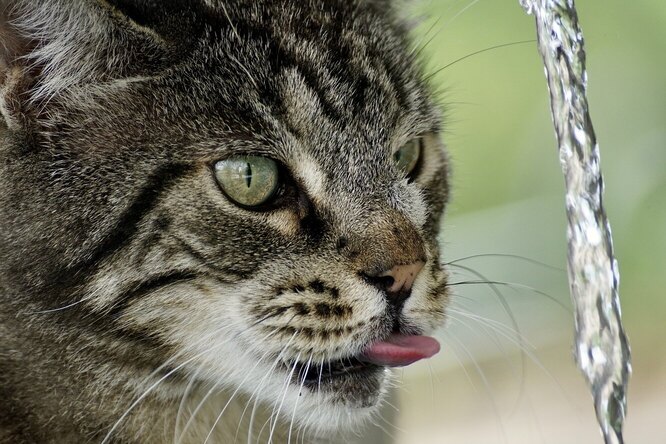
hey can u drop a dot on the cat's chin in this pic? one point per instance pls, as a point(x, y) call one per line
point(346, 382)
point(343, 402)
point(324, 403)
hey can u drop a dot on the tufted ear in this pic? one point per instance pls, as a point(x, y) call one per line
point(13, 70)
point(50, 49)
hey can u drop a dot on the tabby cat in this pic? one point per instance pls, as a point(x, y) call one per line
point(218, 218)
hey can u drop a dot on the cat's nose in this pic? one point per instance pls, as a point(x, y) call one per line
point(397, 281)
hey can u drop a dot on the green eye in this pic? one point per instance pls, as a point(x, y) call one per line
point(408, 156)
point(248, 180)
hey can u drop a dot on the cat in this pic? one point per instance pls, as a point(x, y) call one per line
point(218, 218)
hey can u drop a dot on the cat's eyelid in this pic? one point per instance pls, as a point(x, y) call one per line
point(420, 138)
point(214, 150)
point(244, 152)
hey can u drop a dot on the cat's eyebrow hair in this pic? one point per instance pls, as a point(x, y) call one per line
point(127, 223)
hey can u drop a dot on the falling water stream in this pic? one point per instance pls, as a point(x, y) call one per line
point(601, 349)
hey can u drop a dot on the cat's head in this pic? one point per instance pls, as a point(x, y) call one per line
point(247, 191)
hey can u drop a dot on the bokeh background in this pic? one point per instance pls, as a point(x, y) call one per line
point(508, 200)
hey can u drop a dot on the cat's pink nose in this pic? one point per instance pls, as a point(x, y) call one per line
point(397, 281)
point(403, 276)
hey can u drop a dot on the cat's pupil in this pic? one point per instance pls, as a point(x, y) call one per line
point(248, 174)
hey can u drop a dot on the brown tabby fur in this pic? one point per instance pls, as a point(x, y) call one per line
point(126, 275)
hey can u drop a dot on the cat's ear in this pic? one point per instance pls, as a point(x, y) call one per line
point(13, 68)
point(408, 13)
point(51, 48)
point(47, 47)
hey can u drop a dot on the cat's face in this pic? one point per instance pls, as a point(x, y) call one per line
point(276, 288)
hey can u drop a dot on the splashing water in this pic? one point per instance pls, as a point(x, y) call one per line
point(602, 350)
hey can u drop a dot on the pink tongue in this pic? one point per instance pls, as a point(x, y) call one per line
point(399, 350)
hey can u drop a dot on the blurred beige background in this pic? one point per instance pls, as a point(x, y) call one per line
point(508, 199)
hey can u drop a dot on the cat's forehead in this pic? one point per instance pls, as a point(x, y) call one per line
point(342, 87)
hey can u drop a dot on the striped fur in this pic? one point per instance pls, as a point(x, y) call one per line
point(131, 290)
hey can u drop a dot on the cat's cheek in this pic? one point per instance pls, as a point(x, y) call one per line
point(214, 344)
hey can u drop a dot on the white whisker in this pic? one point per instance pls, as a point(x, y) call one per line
point(293, 416)
point(284, 395)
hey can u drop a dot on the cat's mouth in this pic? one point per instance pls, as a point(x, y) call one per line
point(394, 351)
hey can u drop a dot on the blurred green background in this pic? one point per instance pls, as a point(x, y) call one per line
point(508, 198)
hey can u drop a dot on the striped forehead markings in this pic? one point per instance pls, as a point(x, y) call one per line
point(340, 71)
